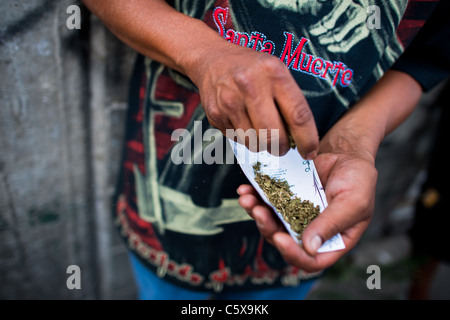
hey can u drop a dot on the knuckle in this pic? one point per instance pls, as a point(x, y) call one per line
point(228, 99)
point(301, 114)
point(243, 77)
point(333, 228)
point(245, 81)
point(272, 65)
point(214, 116)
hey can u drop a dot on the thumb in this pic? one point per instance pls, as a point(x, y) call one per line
point(320, 230)
point(340, 215)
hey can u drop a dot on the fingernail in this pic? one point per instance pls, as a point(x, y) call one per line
point(315, 243)
point(239, 190)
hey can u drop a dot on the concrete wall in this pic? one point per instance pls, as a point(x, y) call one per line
point(63, 98)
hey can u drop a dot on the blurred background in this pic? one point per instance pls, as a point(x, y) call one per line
point(63, 95)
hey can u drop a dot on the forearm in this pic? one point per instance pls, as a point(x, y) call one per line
point(158, 31)
point(252, 90)
point(377, 114)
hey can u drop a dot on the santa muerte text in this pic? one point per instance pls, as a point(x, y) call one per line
point(293, 55)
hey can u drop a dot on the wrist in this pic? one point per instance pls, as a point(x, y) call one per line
point(352, 141)
point(200, 59)
point(205, 57)
point(379, 112)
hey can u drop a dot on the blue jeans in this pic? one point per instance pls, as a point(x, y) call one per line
point(151, 287)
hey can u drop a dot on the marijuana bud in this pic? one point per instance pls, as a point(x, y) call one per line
point(297, 213)
point(291, 142)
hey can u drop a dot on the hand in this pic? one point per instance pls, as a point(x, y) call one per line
point(244, 89)
point(349, 179)
point(346, 166)
point(240, 88)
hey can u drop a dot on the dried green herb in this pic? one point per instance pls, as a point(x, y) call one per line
point(291, 142)
point(298, 213)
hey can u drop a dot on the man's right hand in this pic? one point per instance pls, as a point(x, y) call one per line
point(240, 88)
point(244, 89)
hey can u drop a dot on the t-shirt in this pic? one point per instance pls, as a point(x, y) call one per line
point(183, 219)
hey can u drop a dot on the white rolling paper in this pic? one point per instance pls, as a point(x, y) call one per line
point(299, 173)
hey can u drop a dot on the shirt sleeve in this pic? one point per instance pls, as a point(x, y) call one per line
point(427, 58)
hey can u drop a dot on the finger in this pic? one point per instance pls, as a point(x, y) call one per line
point(343, 213)
point(246, 189)
point(269, 126)
point(257, 92)
point(298, 116)
point(229, 115)
point(297, 256)
point(267, 223)
point(248, 202)
point(241, 129)
point(248, 198)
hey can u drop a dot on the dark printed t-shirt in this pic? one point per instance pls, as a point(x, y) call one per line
point(183, 220)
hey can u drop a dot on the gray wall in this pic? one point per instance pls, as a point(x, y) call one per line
point(63, 98)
